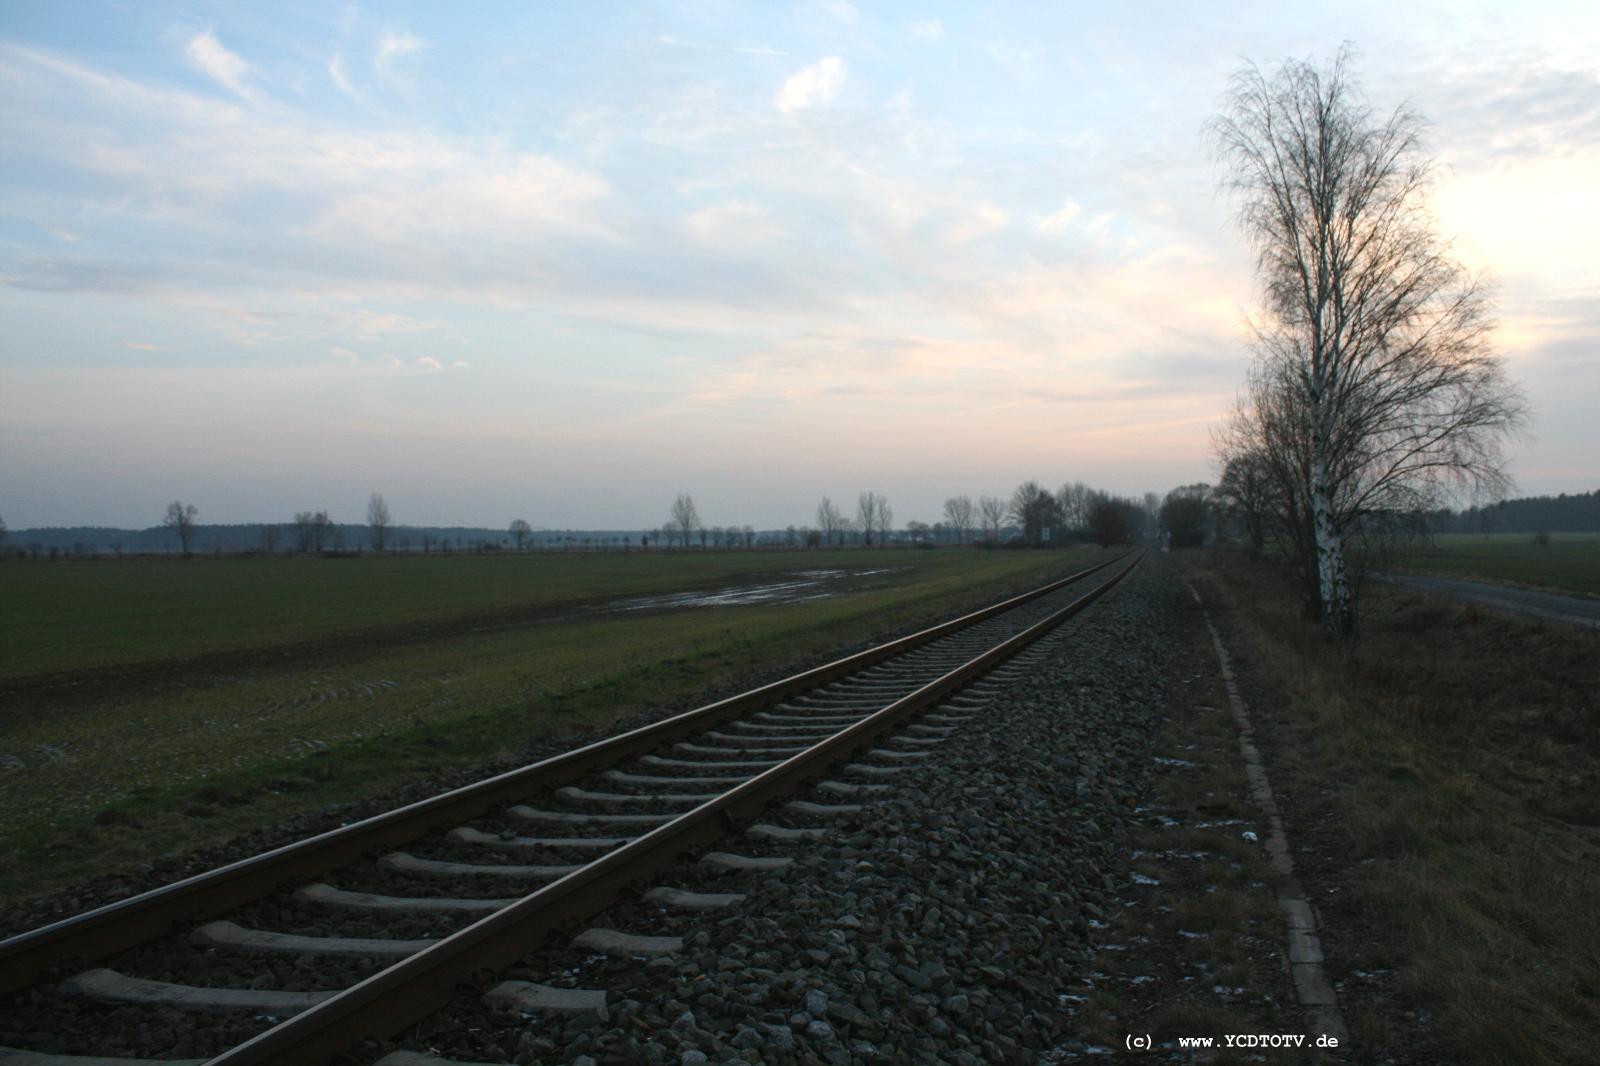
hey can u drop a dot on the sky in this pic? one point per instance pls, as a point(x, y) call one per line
point(564, 261)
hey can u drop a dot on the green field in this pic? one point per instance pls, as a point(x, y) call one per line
point(152, 705)
point(1569, 563)
point(69, 616)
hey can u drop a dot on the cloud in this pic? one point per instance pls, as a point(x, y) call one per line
point(984, 220)
point(340, 77)
point(212, 59)
point(428, 364)
point(392, 46)
point(344, 355)
point(836, 10)
point(143, 346)
point(812, 86)
point(735, 224)
point(1057, 221)
point(931, 30)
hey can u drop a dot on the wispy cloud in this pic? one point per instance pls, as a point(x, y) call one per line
point(669, 41)
point(143, 346)
point(391, 46)
point(340, 77)
point(208, 55)
point(735, 224)
point(929, 30)
point(812, 86)
point(1058, 220)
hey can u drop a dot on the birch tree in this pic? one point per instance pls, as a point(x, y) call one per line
point(830, 520)
point(958, 511)
point(378, 521)
point(180, 518)
point(992, 510)
point(867, 514)
point(1380, 339)
point(685, 519)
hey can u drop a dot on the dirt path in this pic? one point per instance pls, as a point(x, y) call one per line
point(1571, 609)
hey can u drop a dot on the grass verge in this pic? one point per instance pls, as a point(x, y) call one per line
point(1440, 783)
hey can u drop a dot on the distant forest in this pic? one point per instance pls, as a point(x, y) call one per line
point(1579, 513)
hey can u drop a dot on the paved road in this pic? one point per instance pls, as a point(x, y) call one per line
point(1552, 605)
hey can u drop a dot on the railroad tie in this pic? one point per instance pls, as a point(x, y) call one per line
point(368, 901)
point(727, 863)
point(531, 998)
point(822, 810)
point(468, 835)
point(612, 942)
point(862, 769)
point(109, 986)
point(784, 835)
point(851, 788)
point(683, 900)
point(228, 936)
point(408, 863)
point(622, 777)
point(529, 814)
point(709, 764)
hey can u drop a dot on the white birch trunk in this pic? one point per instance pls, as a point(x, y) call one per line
point(1332, 583)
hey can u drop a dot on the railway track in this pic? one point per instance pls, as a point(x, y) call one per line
point(302, 954)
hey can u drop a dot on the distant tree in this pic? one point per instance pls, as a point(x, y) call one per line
point(180, 519)
point(313, 530)
point(870, 515)
point(1184, 515)
point(918, 531)
point(830, 521)
point(1112, 519)
point(959, 512)
point(269, 538)
point(519, 531)
point(885, 519)
point(749, 536)
point(790, 536)
point(1074, 499)
point(378, 522)
point(700, 532)
point(1245, 497)
point(1034, 509)
point(992, 510)
point(3, 532)
point(685, 519)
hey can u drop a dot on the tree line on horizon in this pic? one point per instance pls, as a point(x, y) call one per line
point(1030, 516)
point(1191, 513)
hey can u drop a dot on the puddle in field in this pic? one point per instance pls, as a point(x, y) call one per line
point(801, 586)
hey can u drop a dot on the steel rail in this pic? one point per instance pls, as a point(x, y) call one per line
point(394, 998)
point(103, 931)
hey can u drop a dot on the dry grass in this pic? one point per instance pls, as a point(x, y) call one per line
point(1446, 773)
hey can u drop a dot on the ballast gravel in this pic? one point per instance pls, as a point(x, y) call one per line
point(942, 924)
